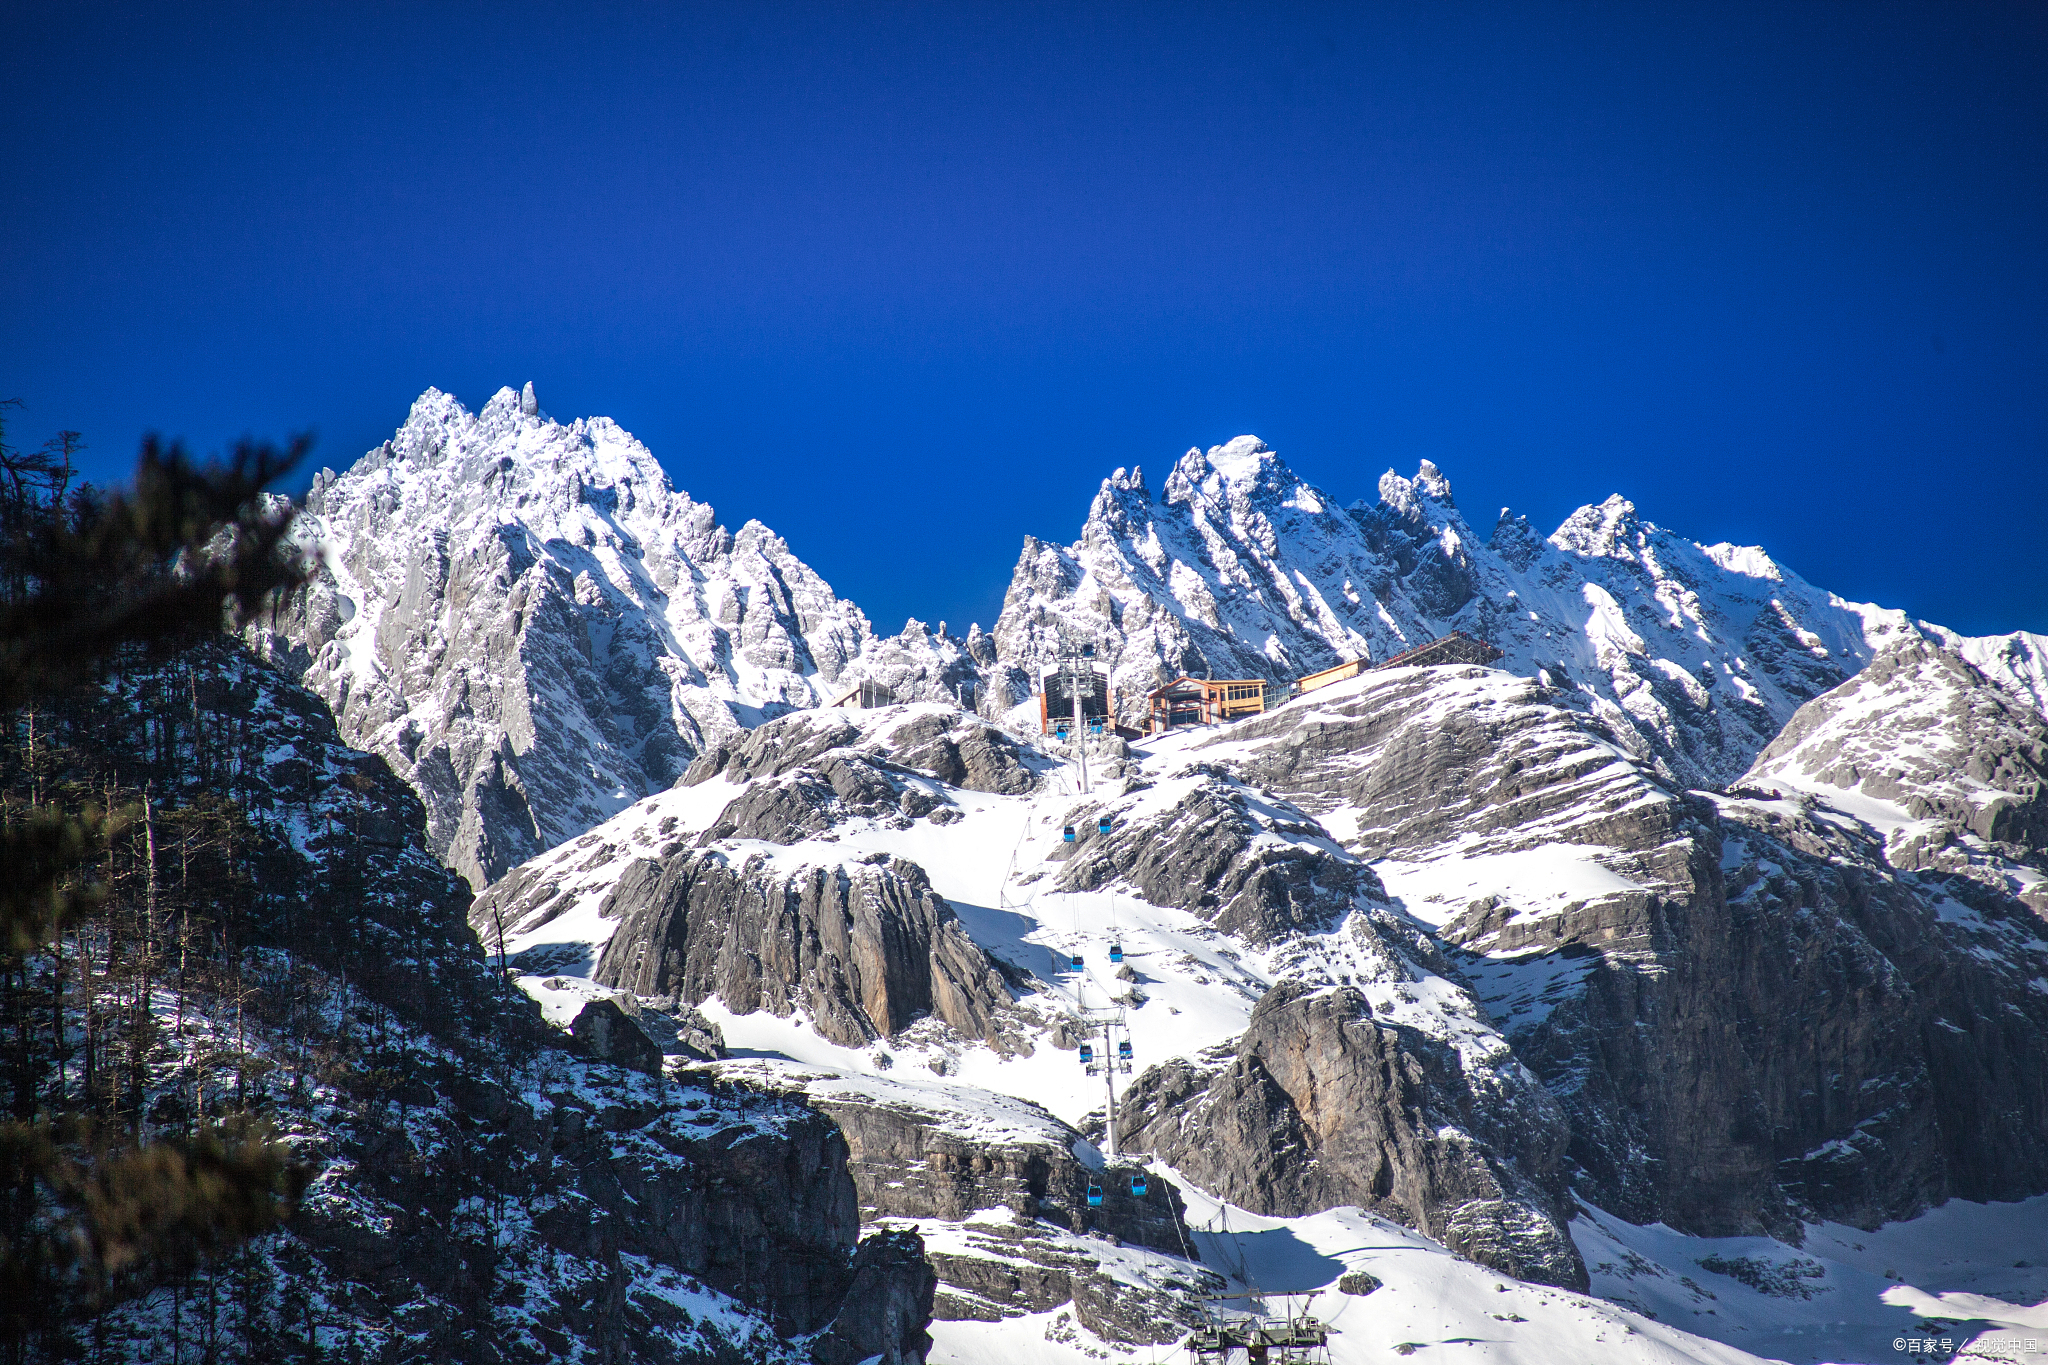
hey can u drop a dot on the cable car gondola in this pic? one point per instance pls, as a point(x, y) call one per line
point(1123, 1050)
point(1116, 952)
point(1074, 963)
point(1138, 1186)
point(1067, 835)
point(1087, 1054)
point(1103, 826)
point(1095, 1195)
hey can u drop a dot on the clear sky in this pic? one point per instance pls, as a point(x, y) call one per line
point(906, 282)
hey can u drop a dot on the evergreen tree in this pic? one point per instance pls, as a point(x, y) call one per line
point(91, 582)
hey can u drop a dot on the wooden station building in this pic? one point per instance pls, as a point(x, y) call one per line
point(1203, 701)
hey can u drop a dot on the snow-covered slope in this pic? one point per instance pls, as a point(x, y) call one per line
point(2017, 662)
point(535, 628)
point(1948, 766)
point(1237, 568)
point(1723, 1021)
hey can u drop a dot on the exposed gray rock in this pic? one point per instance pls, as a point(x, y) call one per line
point(940, 742)
point(887, 1305)
point(1961, 761)
point(913, 1157)
point(961, 752)
point(1247, 864)
point(1359, 1282)
point(1320, 1105)
point(607, 1034)
point(1890, 1017)
point(938, 1152)
point(862, 949)
point(1009, 1270)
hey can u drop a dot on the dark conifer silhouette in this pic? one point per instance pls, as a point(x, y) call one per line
point(91, 582)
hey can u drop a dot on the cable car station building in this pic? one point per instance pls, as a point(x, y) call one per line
point(1056, 703)
point(1203, 701)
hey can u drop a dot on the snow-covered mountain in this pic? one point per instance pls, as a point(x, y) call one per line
point(535, 628)
point(1401, 962)
point(1235, 567)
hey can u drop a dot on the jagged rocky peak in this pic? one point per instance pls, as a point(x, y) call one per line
point(1948, 766)
point(1237, 567)
point(536, 628)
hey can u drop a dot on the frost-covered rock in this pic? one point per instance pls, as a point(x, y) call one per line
point(1747, 1011)
point(1950, 767)
point(535, 628)
point(1237, 568)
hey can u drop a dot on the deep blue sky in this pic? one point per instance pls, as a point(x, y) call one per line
point(905, 282)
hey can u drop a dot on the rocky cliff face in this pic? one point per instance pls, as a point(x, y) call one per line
point(1237, 568)
point(1319, 1105)
point(945, 1154)
point(1727, 1020)
point(1948, 766)
point(863, 950)
point(534, 628)
point(481, 1191)
point(1889, 1017)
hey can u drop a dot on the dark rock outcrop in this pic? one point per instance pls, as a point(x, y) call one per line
point(911, 1158)
point(954, 747)
point(886, 1307)
point(1009, 1270)
point(1322, 1105)
point(863, 949)
point(1207, 855)
point(607, 1033)
point(962, 752)
point(954, 1154)
point(1893, 1030)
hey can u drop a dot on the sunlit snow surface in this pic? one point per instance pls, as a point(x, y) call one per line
point(1655, 1301)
